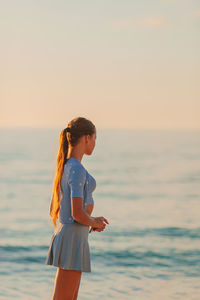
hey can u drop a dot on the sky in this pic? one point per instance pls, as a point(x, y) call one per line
point(121, 64)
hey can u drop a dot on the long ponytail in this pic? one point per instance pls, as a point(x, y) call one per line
point(57, 191)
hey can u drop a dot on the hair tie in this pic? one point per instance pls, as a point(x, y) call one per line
point(68, 129)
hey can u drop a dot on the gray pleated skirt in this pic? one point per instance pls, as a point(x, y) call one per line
point(69, 247)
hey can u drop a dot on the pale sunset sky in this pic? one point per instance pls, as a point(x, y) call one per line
point(122, 64)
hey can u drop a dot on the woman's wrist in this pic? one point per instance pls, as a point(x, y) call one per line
point(93, 221)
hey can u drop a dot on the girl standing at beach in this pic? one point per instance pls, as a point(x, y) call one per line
point(72, 203)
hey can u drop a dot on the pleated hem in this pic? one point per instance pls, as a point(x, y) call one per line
point(62, 267)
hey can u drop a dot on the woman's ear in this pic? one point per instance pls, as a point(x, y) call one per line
point(87, 137)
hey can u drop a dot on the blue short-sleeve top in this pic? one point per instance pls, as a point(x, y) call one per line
point(75, 182)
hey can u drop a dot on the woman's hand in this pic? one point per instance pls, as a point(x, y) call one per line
point(96, 229)
point(99, 223)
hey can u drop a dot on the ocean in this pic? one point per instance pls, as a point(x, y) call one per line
point(147, 188)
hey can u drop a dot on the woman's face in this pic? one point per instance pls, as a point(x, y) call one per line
point(91, 143)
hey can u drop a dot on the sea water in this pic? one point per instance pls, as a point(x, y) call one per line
point(147, 188)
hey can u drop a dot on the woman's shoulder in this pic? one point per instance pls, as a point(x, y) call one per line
point(73, 165)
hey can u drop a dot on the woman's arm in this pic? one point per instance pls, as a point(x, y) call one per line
point(89, 208)
point(79, 214)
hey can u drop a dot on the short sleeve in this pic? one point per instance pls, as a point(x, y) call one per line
point(77, 178)
point(89, 199)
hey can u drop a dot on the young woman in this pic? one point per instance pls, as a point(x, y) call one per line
point(72, 203)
